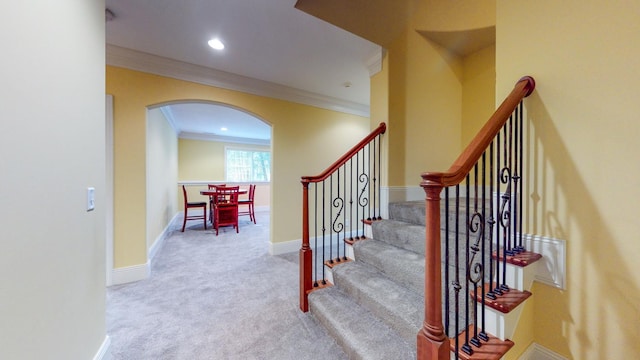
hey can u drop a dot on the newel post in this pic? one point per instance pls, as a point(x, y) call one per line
point(432, 341)
point(305, 251)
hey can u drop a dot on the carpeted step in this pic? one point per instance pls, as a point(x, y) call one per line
point(401, 234)
point(412, 212)
point(396, 305)
point(358, 331)
point(400, 265)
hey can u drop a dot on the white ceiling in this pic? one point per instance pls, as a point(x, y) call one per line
point(267, 40)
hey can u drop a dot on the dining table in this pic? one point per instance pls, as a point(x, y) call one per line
point(212, 192)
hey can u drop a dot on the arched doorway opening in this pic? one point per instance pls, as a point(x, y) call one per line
point(196, 143)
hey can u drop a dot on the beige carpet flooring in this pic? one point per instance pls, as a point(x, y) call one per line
point(216, 297)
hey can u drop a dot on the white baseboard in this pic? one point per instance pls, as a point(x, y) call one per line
point(285, 247)
point(159, 242)
point(551, 269)
point(405, 193)
point(295, 245)
point(104, 352)
point(539, 352)
point(129, 274)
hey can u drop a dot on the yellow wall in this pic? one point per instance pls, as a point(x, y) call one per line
point(52, 148)
point(204, 161)
point(295, 151)
point(425, 97)
point(583, 128)
point(436, 99)
point(478, 91)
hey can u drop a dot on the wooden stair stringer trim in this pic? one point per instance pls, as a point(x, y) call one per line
point(522, 259)
point(321, 284)
point(504, 303)
point(354, 240)
point(337, 261)
point(492, 349)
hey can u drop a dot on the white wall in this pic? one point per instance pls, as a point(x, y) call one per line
point(52, 147)
point(162, 175)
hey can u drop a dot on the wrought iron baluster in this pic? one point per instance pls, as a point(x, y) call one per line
point(357, 219)
point(456, 283)
point(351, 199)
point(330, 219)
point(483, 335)
point(344, 213)
point(315, 234)
point(491, 223)
point(336, 226)
point(467, 296)
point(446, 263)
point(379, 177)
point(505, 211)
point(497, 195)
point(521, 247)
point(324, 231)
point(363, 200)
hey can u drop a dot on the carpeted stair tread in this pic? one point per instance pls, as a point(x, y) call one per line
point(358, 331)
point(396, 305)
point(401, 234)
point(405, 267)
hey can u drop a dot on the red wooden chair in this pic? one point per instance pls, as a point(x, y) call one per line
point(249, 203)
point(225, 213)
point(191, 205)
point(213, 200)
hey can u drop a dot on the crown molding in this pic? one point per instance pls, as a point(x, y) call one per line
point(168, 114)
point(374, 62)
point(153, 64)
point(227, 139)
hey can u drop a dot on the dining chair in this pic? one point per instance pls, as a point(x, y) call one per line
point(225, 213)
point(249, 203)
point(192, 205)
point(212, 199)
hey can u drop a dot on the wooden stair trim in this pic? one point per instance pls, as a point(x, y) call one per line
point(504, 303)
point(321, 284)
point(337, 261)
point(493, 349)
point(522, 259)
point(354, 240)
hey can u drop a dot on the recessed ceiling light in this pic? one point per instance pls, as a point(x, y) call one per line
point(223, 129)
point(216, 44)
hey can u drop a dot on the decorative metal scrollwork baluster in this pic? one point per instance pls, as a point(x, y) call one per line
point(505, 221)
point(475, 268)
point(363, 200)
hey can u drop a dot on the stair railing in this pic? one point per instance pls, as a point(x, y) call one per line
point(344, 197)
point(482, 228)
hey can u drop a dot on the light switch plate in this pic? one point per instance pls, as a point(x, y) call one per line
point(91, 199)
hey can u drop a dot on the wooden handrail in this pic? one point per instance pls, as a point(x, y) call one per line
point(463, 164)
point(349, 154)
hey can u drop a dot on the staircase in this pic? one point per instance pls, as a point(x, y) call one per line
point(441, 278)
point(374, 309)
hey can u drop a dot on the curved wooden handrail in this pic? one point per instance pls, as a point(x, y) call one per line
point(325, 174)
point(464, 163)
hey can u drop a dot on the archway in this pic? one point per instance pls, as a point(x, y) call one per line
point(188, 143)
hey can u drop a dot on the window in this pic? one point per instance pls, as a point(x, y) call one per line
point(248, 165)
